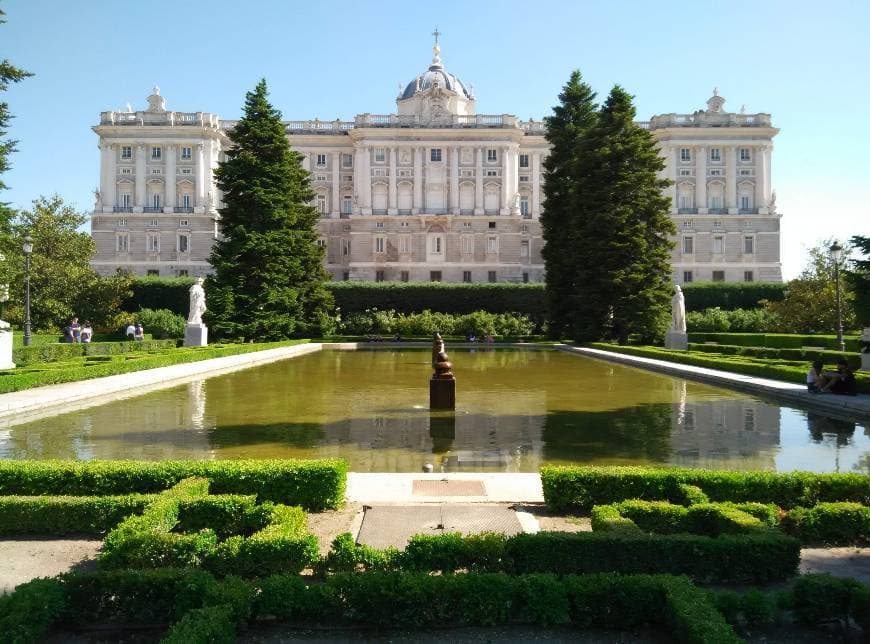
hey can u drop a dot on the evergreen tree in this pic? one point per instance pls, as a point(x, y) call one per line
point(268, 269)
point(629, 230)
point(562, 221)
point(859, 279)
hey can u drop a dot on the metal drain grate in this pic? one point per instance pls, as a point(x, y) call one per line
point(429, 487)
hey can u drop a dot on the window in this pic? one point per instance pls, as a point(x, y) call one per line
point(492, 225)
point(745, 172)
point(524, 228)
point(126, 152)
point(492, 173)
point(687, 277)
point(321, 204)
point(321, 242)
point(186, 153)
point(345, 276)
point(524, 205)
point(153, 272)
point(122, 242)
point(152, 244)
point(156, 153)
point(492, 244)
point(380, 244)
point(345, 247)
point(718, 244)
point(718, 276)
point(153, 223)
point(122, 223)
point(404, 224)
point(748, 276)
point(346, 160)
point(156, 170)
point(435, 155)
point(155, 200)
point(491, 155)
point(745, 202)
point(434, 276)
point(379, 224)
point(525, 278)
point(436, 244)
point(320, 160)
point(380, 155)
point(688, 245)
point(466, 277)
point(126, 200)
point(346, 205)
point(181, 272)
point(404, 276)
point(716, 172)
point(715, 154)
point(184, 243)
point(745, 154)
point(126, 170)
point(685, 172)
point(524, 160)
point(404, 244)
point(379, 276)
point(748, 247)
point(467, 244)
point(187, 171)
point(524, 178)
point(524, 248)
point(320, 177)
point(183, 223)
point(685, 154)
point(492, 277)
point(466, 224)
point(186, 201)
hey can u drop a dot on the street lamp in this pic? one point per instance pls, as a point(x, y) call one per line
point(28, 248)
point(836, 253)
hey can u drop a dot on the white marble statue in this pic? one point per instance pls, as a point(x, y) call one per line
point(197, 303)
point(678, 310)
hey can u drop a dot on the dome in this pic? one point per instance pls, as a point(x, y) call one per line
point(435, 75)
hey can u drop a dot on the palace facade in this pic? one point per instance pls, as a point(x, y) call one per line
point(433, 192)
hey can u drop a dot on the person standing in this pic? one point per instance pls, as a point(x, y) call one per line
point(87, 332)
point(76, 330)
point(139, 335)
point(131, 331)
point(68, 336)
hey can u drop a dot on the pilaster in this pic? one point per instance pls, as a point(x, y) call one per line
point(392, 206)
point(536, 185)
point(505, 181)
point(701, 179)
point(454, 180)
point(108, 194)
point(140, 177)
point(169, 179)
point(200, 175)
point(478, 183)
point(418, 180)
point(336, 184)
point(731, 180)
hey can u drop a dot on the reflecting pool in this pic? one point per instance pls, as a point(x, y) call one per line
point(516, 410)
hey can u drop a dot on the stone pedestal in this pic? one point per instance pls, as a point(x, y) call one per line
point(195, 335)
point(442, 393)
point(677, 340)
point(865, 350)
point(6, 349)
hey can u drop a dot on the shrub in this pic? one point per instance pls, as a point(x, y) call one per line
point(162, 323)
point(426, 323)
point(820, 598)
point(27, 614)
point(345, 555)
point(830, 523)
point(170, 293)
point(451, 551)
point(731, 295)
point(214, 625)
point(60, 515)
point(737, 320)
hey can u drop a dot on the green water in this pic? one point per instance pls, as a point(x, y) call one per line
point(516, 410)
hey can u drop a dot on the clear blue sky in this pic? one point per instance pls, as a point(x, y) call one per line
point(806, 63)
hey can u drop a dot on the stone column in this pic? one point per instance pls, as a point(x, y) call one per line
point(392, 206)
point(454, 180)
point(701, 179)
point(108, 193)
point(210, 187)
point(169, 179)
point(141, 150)
point(536, 185)
point(418, 181)
point(200, 175)
point(357, 180)
point(478, 183)
point(763, 169)
point(506, 195)
point(731, 180)
point(674, 176)
point(366, 191)
point(336, 183)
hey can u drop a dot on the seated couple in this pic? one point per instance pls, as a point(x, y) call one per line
point(841, 381)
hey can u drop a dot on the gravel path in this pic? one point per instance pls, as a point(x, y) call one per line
point(24, 559)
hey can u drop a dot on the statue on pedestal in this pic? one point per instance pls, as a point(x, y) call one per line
point(678, 310)
point(197, 303)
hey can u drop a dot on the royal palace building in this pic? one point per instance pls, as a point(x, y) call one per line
point(434, 191)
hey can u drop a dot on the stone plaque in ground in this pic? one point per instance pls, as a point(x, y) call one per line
point(394, 525)
point(429, 487)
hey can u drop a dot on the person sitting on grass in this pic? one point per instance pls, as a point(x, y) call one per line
point(842, 383)
point(816, 380)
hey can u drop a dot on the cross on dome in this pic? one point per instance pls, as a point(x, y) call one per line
point(436, 49)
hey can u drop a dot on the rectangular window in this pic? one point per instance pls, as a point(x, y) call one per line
point(492, 244)
point(524, 160)
point(688, 245)
point(153, 223)
point(524, 178)
point(718, 244)
point(321, 204)
point(122, 242)
point(404, 276)
point(184, 243)
point(492, 277)
point(155, 200)
point(745, 202)
point(524, 248)
point(685, 172)
point(687, 277)
point(122, 223)
point(379, 276)
point(434, 276)
point(186, 201)
point(748, 276)
point(320, 160)
point(524, 205)
point(126, 152)
point(156, 153)
point(491, 155)
point(404, 244)
point(345, 247)
point(715, 154)
point(183, 223)
point(525, 278)
point(745, 154)
point(346, 205)
point(685, 154)
point(435, 155)
point(492, 225)
point(437, 244)
point(186, 153)
point(718, 276)
point(466, 277)
point(492, 173)
point(187, 171)
point(156, 170)
point(126, 170)
point(345, 276)
point(153, 272)
point(153, 243)
point(346, 160)
point(749, 246)
point(379, 224)
point(404, 224)
point(181, 272)
point(467, 244)
point(321, 242)
point(380, 244)
point(380, 155)
point(126, 200)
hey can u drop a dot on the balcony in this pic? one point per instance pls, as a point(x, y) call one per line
point(687, 211)
point(187, 209)
point(717, 211)
point(122, 208)
point(748, 211)
point(152, 209)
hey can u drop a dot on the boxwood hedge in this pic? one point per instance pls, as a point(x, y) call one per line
point(36, 354)
point(60, 515)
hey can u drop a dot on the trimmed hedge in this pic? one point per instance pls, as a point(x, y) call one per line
point(822, 598)
point(160, 293)
point(710, 519)
point(197, 604)
point(36, 354)
point(60, 515)
point(797, 355)
point(314, 485)
point(580, 488)
point(836, 524)
point(731, 295)
point(777, 340)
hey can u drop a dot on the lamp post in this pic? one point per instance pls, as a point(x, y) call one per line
point(836, 253)
point(28, 248)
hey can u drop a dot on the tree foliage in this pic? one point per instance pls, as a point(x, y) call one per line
point(810, 303)
point(608, 268)
point(859, 279)
point(268, 270)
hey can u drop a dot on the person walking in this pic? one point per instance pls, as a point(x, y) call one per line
point(76, 330)
point(131, 331)
point(87, 332)
point(139, 335)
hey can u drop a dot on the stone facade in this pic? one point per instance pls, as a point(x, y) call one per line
point(432, 192)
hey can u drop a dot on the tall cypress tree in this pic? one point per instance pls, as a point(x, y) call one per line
point(628, 235)
point(563, 220)
point(268, 269)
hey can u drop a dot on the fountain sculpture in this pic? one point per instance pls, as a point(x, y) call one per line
point(442, 385)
